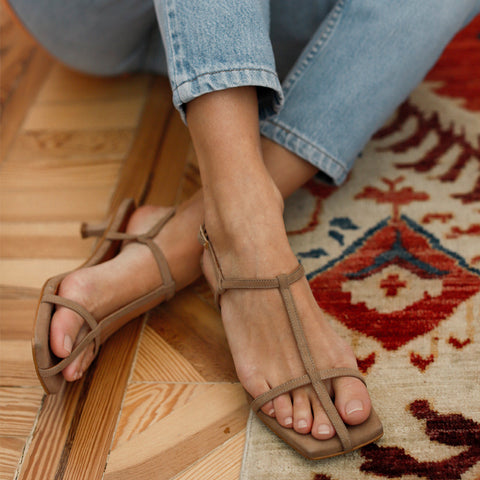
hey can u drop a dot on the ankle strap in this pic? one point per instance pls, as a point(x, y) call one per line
point(223, 284)
point(147, 239)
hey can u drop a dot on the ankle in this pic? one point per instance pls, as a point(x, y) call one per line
point(253, 210)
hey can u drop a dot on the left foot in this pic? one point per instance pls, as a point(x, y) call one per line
point(104, 288)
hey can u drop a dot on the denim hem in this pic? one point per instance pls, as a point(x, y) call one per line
point(270, 94)
point(327, 163)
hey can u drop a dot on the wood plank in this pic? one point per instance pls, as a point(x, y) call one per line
point(26, 272)
point(64, 86)
point(194, 329)
point(71, 147)
point(10, 451)
point(205, 423)
point(16, 318)
point(54, 430)
point(159, 362)
point(18, 293)
point(18, 409)
point(122, 113)
point(148, 403)
point(224, 463)
point(16, 365)
point(61, 204)
point(43, 240)
point(94, 434)
point(31, 175)
point(137, 170)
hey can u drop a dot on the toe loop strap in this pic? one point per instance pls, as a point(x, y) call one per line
point(286, 387)
point(330, 373)
point(57, 368)
point(77, 308)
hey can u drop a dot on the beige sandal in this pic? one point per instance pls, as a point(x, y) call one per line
point(111, 235)
point(347, 437)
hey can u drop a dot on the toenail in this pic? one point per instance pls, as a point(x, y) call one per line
point(302, 424)
point(272, 412)
point(288, 421)
point(353, 406)
point(67, 343)
point(323, 429)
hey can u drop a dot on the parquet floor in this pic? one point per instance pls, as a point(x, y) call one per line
point(162, 400)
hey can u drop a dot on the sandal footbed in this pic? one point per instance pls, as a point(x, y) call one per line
point(314, 449)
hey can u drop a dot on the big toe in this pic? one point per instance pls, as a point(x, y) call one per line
point(352, 400)
point(64, 331)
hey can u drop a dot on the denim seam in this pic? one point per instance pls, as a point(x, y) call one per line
point(332, 22)
point(308, 142)
point(271, 72)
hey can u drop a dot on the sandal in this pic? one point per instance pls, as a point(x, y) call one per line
point(347, 437)
point(111, 235)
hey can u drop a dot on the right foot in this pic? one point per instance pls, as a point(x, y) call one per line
point(257, 326)
point(106, 287)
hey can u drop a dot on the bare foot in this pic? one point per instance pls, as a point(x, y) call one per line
point(253, 244)
point(104, 288)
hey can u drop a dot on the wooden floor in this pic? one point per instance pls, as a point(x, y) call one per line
point(162, 401)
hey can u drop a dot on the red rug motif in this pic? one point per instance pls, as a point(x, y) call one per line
point(393, 259)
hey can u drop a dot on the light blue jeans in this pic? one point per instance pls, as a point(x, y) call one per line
point(328, 72)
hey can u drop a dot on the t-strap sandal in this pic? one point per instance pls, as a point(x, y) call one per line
point(347, 437)
point(111, 237)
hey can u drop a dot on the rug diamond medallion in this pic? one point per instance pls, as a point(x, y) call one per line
point(379, 283)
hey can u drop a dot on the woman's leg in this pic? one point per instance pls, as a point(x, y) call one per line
point(244, 220)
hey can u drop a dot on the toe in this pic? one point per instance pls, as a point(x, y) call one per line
point(302, 411)
point(352, 400)
point(64, 330)
point(256, 387)
point(284, 410)
point(322, 428)
point(75, 370)
point(67, 328)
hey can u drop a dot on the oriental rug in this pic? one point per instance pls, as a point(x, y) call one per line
point(393, 259)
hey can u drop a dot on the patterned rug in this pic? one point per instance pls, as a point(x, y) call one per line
point(393, 259)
